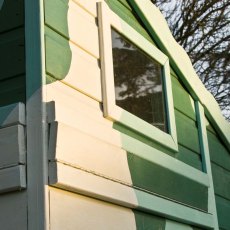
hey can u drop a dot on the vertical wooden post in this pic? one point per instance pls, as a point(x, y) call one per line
point(36, 125)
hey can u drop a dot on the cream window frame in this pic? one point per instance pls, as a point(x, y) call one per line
point(107, 20)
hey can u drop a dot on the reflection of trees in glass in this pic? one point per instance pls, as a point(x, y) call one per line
point(138, 83)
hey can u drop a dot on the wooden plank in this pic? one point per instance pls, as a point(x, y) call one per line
point(12, 179)
point(85, 183)
point(221, 180)
point(76, 180)
point(88, 5)
point(185, 126)
point(12, 114)
point(13, 210)
point(218, 153)
point(12, 146)
point(12, 15)
point(80, 212)
point(73, 23)
point(146, 221)
point(175, 186)
point(66, 61)
point(81, 150)
point(189, 157)
point(182, 100)
point(223, 212)
point(12, 90)
point(12, 53)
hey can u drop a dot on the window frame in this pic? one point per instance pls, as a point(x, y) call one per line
point(107, 20)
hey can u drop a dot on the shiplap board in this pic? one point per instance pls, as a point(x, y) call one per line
point(12, 179)
point(12, 15)
point(66, 61)
point(88, 5)
point(80, 212)
point(76, 148)
point(73, 22)
point(12, 53)
point(79, 181)
point(12, 114)
point(12, 146)
point(13, 211)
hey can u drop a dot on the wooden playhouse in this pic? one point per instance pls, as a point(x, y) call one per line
point(104, 124)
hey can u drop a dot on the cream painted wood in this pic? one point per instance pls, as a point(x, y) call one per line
point(84, 114)
point(108, 19)
point(171, 225)
point(12, 146)
point(12, 114)
point(78, 181)
point(159, 29)
point(87, 183)
point(78, 149)
point(72, 211)
point(88, 5)
point(12, 179)
point(83, 29)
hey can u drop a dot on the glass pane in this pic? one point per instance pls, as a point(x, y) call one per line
point(138, 82)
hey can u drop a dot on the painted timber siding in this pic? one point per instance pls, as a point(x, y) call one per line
point(220, 158)
point(12, 52)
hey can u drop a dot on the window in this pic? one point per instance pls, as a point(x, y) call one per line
point(135, 81)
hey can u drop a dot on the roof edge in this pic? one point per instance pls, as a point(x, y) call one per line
point(158, 28)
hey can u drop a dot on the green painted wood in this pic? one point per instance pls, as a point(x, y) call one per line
point(56, 14)
point(128, 16)
point(221, 180)
point(12, 53)
point(146, 221)
point(218, 153)
point(125, 3)
point(162, 181)
point(58, 54)
point(187, 132)
point(189, 157)
point(12, 90)
point(12, 15)
point(182, 100)
point(223, 212)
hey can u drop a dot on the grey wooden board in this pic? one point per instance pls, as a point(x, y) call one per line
point(12, 179)
point(13, 211)
point(12, 114)
point(12, 146)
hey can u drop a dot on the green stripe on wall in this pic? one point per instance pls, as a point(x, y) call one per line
point(157, 179)
point(146, 221)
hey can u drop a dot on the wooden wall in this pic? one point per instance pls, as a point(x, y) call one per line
point(87, 154)
point(220, 159)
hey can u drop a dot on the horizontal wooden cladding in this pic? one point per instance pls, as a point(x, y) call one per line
point(12, 53)
point(223, 212)
point(187, 132)
point(78, 181)
point(76, 148)
point(12, 179)
point(221, 181)
point(218, 153)
point(12, 15)
point(74, 23)
point(13, 210)
point(160, 180)
point(12, 90)
point(182, 100)
point(12, 114)
point(12, 146)
point(67, 62)
point(81, 212)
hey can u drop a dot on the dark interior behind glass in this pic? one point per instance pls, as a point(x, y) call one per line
point(138, 82)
